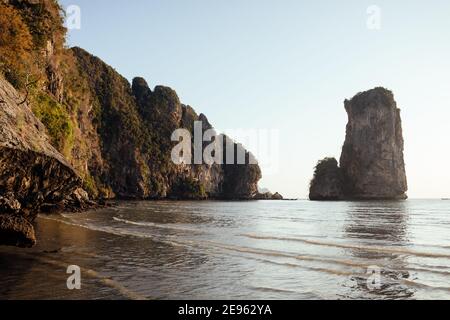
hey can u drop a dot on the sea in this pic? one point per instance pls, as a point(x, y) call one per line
point(202, 250)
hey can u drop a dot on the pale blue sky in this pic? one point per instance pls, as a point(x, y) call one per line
point(289, 65)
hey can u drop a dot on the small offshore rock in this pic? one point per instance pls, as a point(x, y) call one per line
point(328, 182)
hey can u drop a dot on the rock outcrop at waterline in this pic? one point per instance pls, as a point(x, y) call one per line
point(328, 182)
point(372, 165)
point(269, 196)
point(32, 172)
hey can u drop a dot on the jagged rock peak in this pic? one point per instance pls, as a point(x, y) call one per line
point(378, 97)
point(205, 122)
point(140, 88)
point(167, 93)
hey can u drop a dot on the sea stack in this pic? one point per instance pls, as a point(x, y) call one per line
point(372, 165)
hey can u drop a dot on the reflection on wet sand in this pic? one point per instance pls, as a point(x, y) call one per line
point(368, 221)
point(41, 272)
point(107, 257)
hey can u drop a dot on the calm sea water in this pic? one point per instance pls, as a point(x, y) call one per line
point(239, 250)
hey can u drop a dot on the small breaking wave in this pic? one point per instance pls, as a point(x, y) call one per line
point(158, 225)
point(395, 250)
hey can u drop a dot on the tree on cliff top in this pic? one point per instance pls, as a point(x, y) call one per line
point(15, 45)
point(45, 21)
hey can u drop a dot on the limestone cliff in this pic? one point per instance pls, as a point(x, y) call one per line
point(372, 165)
point(32, 172)
point(116, 135)
point(372, 157)
point(134, 125)
point(72, 128)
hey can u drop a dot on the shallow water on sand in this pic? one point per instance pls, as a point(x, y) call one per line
point(238, 250)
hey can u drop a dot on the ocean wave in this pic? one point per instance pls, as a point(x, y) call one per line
point(265, 253)
point(396, 250)
point(158, 225)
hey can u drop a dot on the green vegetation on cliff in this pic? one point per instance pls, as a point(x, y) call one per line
point(57, 121)
point(70, 124)
point(188, 188)
point(116, 135)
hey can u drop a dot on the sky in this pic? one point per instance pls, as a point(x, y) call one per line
point(287, 66)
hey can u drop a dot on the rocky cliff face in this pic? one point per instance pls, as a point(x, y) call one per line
point(372, 164)
point(372, 157)
point(134, 125)
point(32, 172)
point(84, 127)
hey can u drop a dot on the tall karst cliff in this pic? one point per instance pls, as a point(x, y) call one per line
point(134, 126)
point(372, 164)
point(106, 135)
point(33, 174)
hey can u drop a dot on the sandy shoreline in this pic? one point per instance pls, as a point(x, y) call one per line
point(41, 272)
